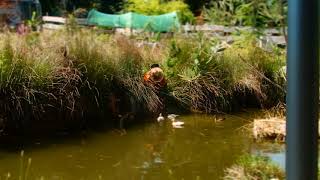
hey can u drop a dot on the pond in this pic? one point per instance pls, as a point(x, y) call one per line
point(200, 150)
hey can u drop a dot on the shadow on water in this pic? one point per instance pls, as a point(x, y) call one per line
point(200, 150)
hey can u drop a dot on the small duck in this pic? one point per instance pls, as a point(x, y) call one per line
point(219, 119)
point(177, 124)
point(160, 118)
point(172, 116)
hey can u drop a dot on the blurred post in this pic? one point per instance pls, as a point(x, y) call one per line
point(303, 90)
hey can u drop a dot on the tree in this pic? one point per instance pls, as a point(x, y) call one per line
point(157, 7)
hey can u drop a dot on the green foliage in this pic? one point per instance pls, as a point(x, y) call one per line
point(32, 39)
point(259, 13)
point(17, 69)
point(40, 72)
point(34, 22)
point(250, 167)
point(71, 25)
point(256, 13)
point(32, 80)
point(207, 80)
point(87, 57)
point(115, 66)
point(222, 12)
point(157, 7)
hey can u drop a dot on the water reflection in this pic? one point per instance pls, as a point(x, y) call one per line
point(275, 151)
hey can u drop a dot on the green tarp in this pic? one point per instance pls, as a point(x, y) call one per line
point(161, 23)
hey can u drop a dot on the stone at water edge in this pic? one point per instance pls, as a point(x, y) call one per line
point(264, 128)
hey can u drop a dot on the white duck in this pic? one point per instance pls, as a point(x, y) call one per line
point(172, 116)
point(160, 118)
point(175, 123)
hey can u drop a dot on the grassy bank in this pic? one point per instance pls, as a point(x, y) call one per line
point(254, 167)
point(66, 77)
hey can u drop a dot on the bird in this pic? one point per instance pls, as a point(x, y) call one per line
point(172, 116)
point(219, 119)
point(160, 118)
point(177, 127)
point(177, 124)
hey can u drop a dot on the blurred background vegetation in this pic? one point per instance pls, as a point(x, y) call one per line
point(257, 13)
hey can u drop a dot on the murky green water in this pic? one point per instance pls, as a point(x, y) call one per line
point(200, 150)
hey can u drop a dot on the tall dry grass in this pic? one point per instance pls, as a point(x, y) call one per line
point(34, 78)
point(76, 73)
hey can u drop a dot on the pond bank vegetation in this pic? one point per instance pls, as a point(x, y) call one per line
point(76, 78)
point(250, 167)
point(272, 126)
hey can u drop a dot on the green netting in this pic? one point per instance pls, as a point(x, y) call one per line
point(161, 23)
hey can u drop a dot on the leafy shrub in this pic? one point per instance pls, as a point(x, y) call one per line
point(257, 13)
point(157, 7)
point(206, 80)
point(222, 12)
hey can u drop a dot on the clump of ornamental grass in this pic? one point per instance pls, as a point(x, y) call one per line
point(193, 79)
point(33, 79)
point(72, 74)
point(265, 66)
point(97, 71)
point(113, 66)
point(208, 81)
point(131, 66)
